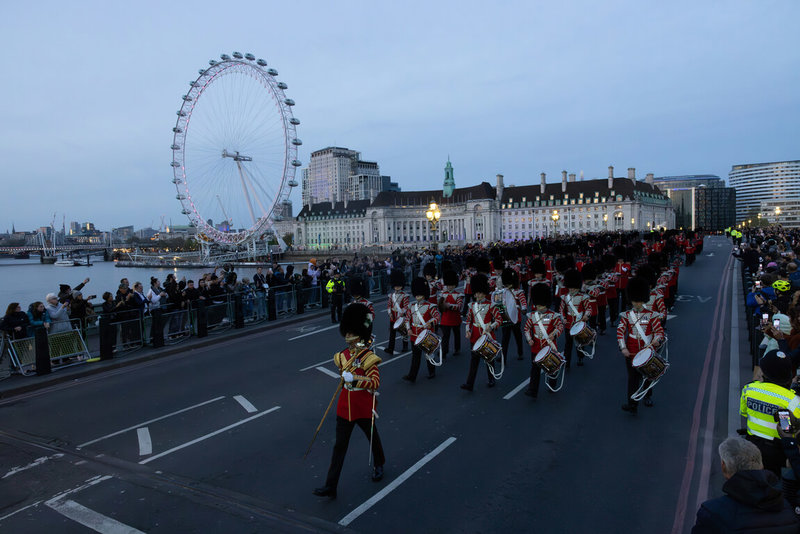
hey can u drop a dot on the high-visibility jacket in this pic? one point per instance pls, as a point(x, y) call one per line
point(760, 402)
point(335, 286)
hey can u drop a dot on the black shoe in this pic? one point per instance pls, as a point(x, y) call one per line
point(466, 386)
point(387, 351)
point(408, 378)
point(325, 491)
point(519, 357)
point(602, 332)
point(580, 363)
point(456, 353)
point(631, 408)
point(431, 375)
point(530, 393)
point(405, 348)
point(491, 384)
point(648, 402)
point(377, 473)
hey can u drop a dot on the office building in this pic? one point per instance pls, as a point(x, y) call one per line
point(700, 201)
point(757, 182)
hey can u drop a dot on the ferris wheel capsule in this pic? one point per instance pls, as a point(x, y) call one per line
point(212, 62)
point(238, 55)
point(294, 121)
point(292, 183)
point(180, 113)
point(224, 57)
point(296, 142)
point(261, 63)
point(282, 85)
point(175, 164)
point(249, 57)
point(297, 163)
point(175, 147)
point(288, 101)
point(272, 72)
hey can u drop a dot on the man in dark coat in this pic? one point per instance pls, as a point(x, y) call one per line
point(753, 501)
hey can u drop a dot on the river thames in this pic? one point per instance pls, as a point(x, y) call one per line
point(26, 281)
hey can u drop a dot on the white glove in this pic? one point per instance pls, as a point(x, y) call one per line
point(348, 376)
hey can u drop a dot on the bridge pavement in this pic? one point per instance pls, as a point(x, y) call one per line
point(212, 439)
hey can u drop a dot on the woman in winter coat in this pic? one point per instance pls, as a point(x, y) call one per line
point(59, 314)
point(15, 322)
point(37, 318)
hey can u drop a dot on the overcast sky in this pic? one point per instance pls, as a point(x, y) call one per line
point(90, 89)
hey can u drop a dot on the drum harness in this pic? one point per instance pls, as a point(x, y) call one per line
point(640, 393)
point(538, 319)
point(399, 312)
point(479, 316)
point(423, 324)
point(575, 314)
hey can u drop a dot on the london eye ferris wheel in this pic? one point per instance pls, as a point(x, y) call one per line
point(234, 150)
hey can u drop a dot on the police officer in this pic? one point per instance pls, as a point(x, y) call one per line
point(335, 288)
point(760, 402)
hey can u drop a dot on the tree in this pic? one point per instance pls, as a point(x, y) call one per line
point(288, 238)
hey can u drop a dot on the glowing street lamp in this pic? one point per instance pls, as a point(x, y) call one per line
point(433, 214)
point(555, 216)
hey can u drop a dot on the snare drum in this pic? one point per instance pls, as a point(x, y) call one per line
point(549, 360)
point(427, 341)
point(649, 364)
point(487, 348)
point(582, 333)
point(400, 325)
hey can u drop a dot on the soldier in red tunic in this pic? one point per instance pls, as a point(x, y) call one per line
point(361, 377)
point(638, 329)
point(451, 303)
point(513, 321)
point(541, 330)
point(538, 276)
point(358, 291)
point(482, 318)
point(574, 309)
point(398, 305)
point(434, 285)
point(420, 316)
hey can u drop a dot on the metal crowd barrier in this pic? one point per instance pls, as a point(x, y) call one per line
point(66, 349)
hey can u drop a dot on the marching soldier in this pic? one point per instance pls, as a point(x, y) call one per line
point(574, 309)
point(358, 291)
point(611, 283)
point(356, 406)
point(451, 303)
point(638, 329)
point(398, 305)
point(420, 316)
point(482, 318)
point(335, 287)
point(434, 286)
point(510, 281)
point(541, 330)
point(538, 276)
point(623, 269)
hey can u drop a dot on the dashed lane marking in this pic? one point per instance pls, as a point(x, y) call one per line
point(150, 421)
point(145, 443)
point(210, 435)
point(91, 519)
point(315, 332)
point(246, 404)
point(369, 503)
point(517, 389)
point(395, 358)
point(328, 372)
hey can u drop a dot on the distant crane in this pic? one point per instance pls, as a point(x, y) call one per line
point(227, 219)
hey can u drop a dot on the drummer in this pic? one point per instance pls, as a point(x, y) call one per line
point(513, 320)
point(639, 328)
point(451, 302)
point(482, 319)
point(541, 330)
point(421, 316)
point(434, 285)
point(398, 305)
point(574, 309)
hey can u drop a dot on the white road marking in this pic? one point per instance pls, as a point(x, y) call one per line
point(369, 503)
point(35, 463)
point(314, 332)
point(328, 372)
point(395, 358)
point(734, 385)
point(703, 300)
point(91, 519)
point(709, 255)
point(20, 510)
point(246, 404)
point(211, 435)
point(89, 482)
point(670, 317)
point(517, 389)
point(148, 422)
point(145, 444)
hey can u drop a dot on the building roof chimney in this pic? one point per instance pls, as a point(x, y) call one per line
point(572, 177)
point(631, 173)
point(563, 181)
point(649, 178)
point(499, 187)
point(543, 184)
point(610, 177)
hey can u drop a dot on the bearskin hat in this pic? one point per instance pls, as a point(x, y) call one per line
point(419, 286)
point(507, 277)
point(356, 287)
point(648, 274)
point(541, 295)
point(398, 278)
point(480, 284)
point(483, 265)
point(573, 279)
point(588, 272)
point(638, 289)
point(356, 320)
point(538, 266)
point(608, 261)
point(450, 278)
point(429, 270)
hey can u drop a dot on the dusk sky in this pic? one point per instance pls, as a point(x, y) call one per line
point(90, 91)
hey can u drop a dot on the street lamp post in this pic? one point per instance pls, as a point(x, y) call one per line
point(555, 217)
point(433, 214)
point(605, 221)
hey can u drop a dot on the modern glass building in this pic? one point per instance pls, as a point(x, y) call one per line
point(700, 201)
point(757, 182)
